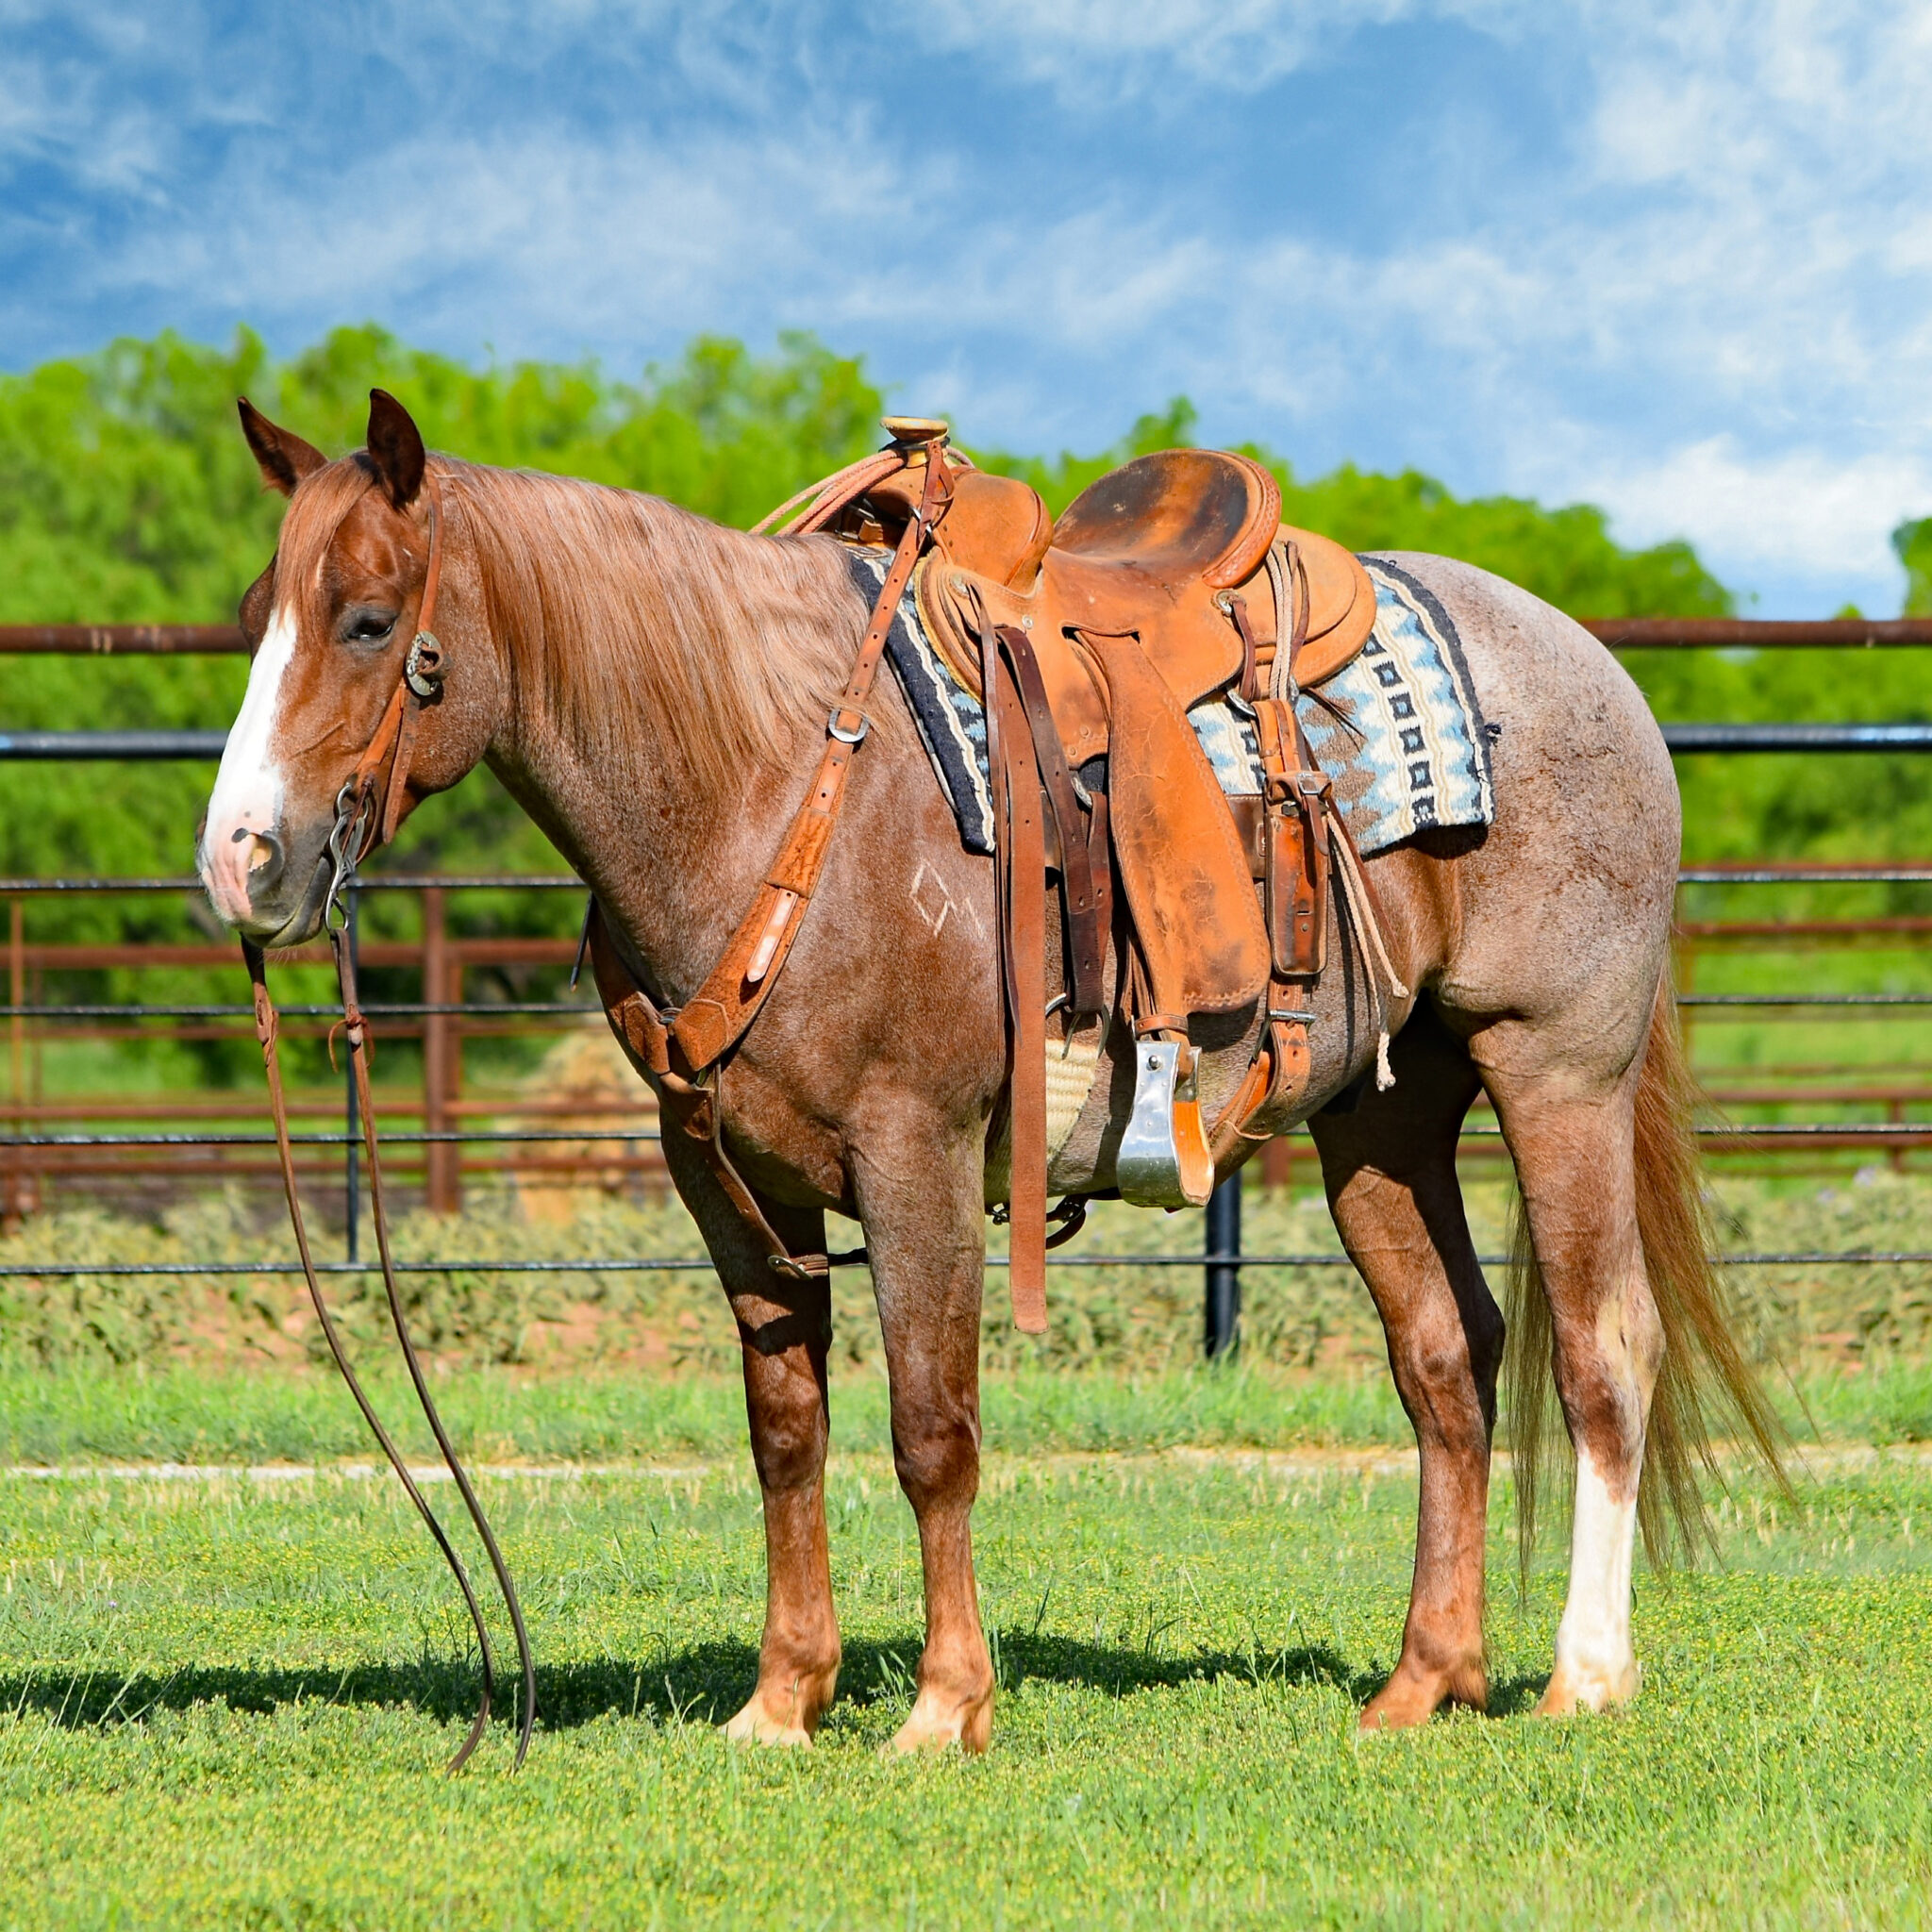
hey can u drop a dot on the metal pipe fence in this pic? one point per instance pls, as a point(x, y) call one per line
point(606, 1146)
point(1619, 633)
point(206, 746)
point(608, 1140)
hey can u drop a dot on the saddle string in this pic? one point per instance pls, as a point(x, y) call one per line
point(829, 495)
point(1357, 896)
point(1288, 576)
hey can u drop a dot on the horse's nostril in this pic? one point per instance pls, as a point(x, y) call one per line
point(265, 865)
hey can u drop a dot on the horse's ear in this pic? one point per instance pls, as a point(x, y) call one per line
point(285, 459)
point(395, 447)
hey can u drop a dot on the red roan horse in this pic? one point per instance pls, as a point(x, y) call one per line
point(653, 690)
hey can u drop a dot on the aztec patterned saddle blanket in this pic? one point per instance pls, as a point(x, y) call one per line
point(1398, 730)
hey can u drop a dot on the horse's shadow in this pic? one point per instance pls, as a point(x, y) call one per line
point(701, 1683)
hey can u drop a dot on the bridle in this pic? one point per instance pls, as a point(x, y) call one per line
point(683, 1054)
point(368, 808)
point(370, 805)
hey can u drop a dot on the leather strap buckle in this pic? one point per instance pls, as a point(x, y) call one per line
point(833, 729)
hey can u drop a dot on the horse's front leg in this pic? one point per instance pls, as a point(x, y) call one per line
point(920, 1196)
point(785, 1330)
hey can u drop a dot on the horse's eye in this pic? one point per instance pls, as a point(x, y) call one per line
point(369, 626)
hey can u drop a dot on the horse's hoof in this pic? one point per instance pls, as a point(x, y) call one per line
point(935, 1727)
point(754, 1725)
point(1398, 1707)
point(1581, 1687)
point(1413, 1695)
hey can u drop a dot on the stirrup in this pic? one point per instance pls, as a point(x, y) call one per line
point(1163, 1160)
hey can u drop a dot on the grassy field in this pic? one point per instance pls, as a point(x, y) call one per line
point(226, 1692)
point(225, 1700)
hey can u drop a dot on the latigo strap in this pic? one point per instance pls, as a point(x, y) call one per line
point(1019, 869)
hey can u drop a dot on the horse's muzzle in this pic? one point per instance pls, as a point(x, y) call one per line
point(271, 889)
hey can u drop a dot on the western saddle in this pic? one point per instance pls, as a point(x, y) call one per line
point(1167, 582)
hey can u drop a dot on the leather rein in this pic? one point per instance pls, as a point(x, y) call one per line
point(367, 811)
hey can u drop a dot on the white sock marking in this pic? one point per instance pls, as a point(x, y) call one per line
point(1593, 1650)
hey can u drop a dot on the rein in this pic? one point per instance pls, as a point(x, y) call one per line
point(682, 1053)
point(366, 816)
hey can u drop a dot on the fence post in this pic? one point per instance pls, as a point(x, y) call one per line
point(1277, 1164)
point(1224, 1268)
point(14, 1194)
point(352, 1170)
point(439, 1155)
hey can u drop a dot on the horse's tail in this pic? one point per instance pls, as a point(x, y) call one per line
point(1703, 1372)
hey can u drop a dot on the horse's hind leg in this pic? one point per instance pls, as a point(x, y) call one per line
point(1390, 1168)
point(1569, 1130)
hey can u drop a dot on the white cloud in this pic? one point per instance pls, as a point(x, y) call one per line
point(1803, 512)
point(1090, 50)
point(548, 237)
point(1700, 292)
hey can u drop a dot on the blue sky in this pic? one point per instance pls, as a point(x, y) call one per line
point(1676, 259)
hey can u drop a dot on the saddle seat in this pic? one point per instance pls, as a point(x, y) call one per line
point(1159, 547)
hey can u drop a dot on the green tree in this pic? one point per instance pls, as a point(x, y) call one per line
point(1913, 543)
point(127, 495)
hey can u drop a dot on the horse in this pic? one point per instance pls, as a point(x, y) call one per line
point(654, 689)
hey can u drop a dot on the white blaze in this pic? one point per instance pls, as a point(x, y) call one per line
point(1594, 1657)
point(248, 787)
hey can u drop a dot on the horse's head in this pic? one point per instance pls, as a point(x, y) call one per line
point(329, 731)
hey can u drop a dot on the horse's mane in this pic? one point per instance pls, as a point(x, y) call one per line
point(611, 603)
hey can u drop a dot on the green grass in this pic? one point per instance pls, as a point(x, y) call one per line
point(226, 1702)
point(186, 1415)
point(177, 1413)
